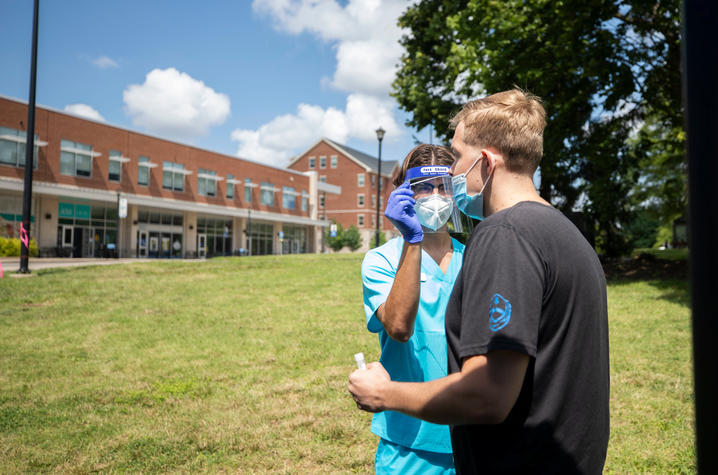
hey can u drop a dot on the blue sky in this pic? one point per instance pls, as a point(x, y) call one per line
point(262, 79)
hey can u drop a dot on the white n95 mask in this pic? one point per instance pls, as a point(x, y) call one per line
point(434, 211)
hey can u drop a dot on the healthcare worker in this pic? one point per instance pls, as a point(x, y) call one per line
point(407, 283)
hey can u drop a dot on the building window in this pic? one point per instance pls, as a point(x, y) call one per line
point(360, 200)
point(360, 179)
point(305, 200)
point(13, 147)
point(323, 178)
point(373, 201)
point(206, 182)
point(360, 220)
point(321, 201)
point(373, 180)
point(289, 198)
point(333, 161)
point(248, 190)
point(76, 158)
point(173, 176)
point(322, 162)
point(312, 161)
point(373, 221)
point(266, 194)
point(261, 238)
point(230, 186)
point(143, 171)
point(116, 160)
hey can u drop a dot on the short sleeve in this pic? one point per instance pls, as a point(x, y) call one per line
point(377, 275)
point(502, 291)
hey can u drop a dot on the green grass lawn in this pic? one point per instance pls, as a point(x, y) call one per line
point(241, 364)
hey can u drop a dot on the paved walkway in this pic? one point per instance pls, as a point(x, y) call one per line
point(10, 265)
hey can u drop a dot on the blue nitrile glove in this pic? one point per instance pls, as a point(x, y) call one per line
point(400, 211)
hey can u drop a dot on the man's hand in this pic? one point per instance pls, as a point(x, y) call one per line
point(367, 387)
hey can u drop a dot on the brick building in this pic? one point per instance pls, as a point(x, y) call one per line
point(356, 173)
point(182, 201)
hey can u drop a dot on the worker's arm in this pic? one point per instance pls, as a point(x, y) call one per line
point(484, 392)
point(398, 313)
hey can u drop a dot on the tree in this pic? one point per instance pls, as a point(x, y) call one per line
point(336, 242)
point(601, 66)
point(352, 238)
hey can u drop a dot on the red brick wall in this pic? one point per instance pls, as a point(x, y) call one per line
point(345, 175)
point(52, 127)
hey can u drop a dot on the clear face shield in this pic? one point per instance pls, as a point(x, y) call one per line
point(434, 197)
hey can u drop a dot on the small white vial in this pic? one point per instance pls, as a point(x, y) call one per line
point(359, 357)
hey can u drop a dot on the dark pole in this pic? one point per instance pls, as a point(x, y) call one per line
point(700, 75)
point(324, 216)
point(380, 136)
point(249, 231)
point(29, 153)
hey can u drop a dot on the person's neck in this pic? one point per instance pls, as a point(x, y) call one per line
point(510, 189)
point(439, 241)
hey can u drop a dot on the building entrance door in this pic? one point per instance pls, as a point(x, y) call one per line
point(142, 244)
point(201, 245)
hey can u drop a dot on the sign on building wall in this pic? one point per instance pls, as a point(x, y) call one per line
point(122, 211)
point(69, 210)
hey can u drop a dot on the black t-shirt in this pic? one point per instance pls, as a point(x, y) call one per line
point(531, 283)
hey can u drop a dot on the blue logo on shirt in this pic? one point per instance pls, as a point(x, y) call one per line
point(499, 313)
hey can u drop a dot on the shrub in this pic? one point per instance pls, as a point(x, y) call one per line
point(336, 242)
point(10, 247)
point(352, 238)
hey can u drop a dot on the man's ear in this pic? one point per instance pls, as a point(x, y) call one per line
point(492, 160)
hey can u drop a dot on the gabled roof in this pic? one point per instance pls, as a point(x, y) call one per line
point(367, 161)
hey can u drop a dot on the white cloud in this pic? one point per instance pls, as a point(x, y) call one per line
point(364, 31)
point(104, 62)
point(85, 111)
point(277, 141)
point(366, 38)
point(173, 104)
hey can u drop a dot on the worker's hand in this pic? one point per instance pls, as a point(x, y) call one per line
point(367, 387)
point(400, 211)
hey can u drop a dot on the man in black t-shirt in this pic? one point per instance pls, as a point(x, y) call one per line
point(526, 325)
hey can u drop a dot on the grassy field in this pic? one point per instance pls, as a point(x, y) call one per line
point(240, 365)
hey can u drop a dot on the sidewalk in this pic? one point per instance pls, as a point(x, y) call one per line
point(10, 265)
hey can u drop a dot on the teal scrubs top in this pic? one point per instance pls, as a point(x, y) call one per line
point(424, 356)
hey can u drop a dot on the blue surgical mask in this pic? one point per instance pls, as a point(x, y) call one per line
point(471, 206)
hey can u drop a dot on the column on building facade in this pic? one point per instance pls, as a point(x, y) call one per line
point(237, 233)
point(131, 224)
point(46, 228)
point(189, 233)
point(277, 242)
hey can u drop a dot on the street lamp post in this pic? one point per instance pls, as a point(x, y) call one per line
point(379, 135)
point(29, 152)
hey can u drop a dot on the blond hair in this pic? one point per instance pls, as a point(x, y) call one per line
point(510, 121)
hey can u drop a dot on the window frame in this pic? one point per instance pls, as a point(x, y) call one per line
point(207, 182)
point(312, 163)
point(229, 188)
point(20, 147)
point(322, 161)
point(360, 200)
point(79, 149)
point(333, 161)
point(173, 169)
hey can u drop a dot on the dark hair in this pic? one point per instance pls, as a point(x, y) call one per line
point(423, 155)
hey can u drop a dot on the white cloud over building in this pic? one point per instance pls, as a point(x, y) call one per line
point(366, 37)
point(83, 110)
point(172, 104)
